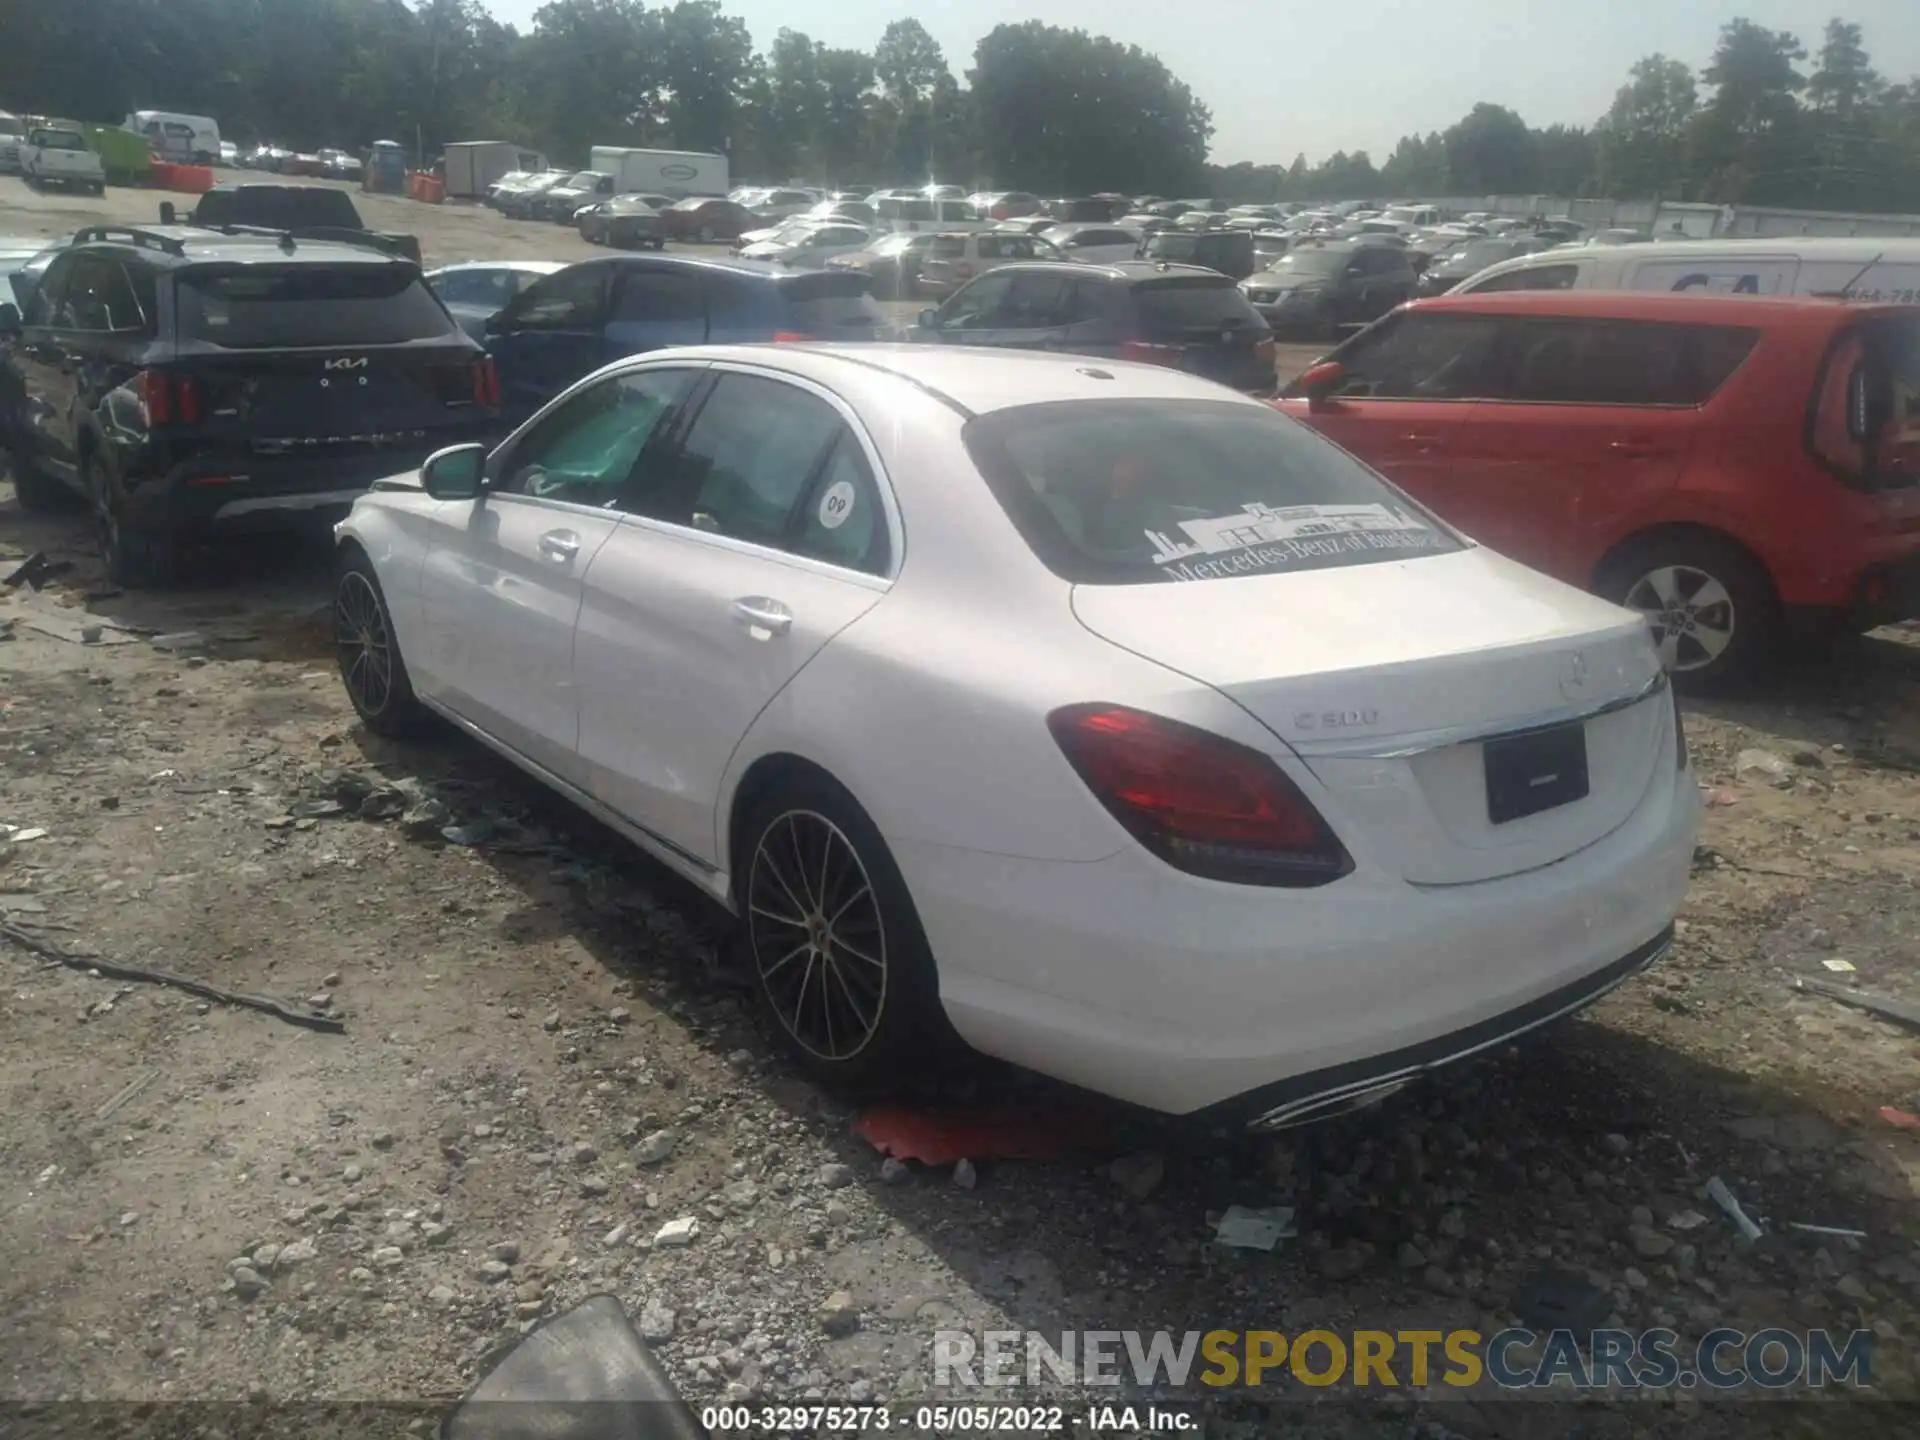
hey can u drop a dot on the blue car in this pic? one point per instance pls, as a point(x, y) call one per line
point(570, 323)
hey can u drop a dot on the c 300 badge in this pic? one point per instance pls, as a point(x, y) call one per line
point(1335, 719)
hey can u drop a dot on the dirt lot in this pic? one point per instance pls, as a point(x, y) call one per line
point(540, 1060)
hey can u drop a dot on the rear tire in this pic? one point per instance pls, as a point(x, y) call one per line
point(840, 966)
point(137, 557)
point(371, 666)
point(1710, 604)
point(38, 492)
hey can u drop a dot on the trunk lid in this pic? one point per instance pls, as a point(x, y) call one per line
point(1393, 682)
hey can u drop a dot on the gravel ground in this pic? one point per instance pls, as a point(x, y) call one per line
point(542, 1060)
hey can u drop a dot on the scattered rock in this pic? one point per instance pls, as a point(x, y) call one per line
point(247, 1282)
point(299, 1252)
point(656, 1321)
point(382, 1140)
point(1410, 1256)
point(677, 1234)
point(654, 1148)
point(388, 1257)
point(506, 1251)
point(1650, 1244)
point(964, 1175)
point(894, 1171)
point(839, 1316)
point(1452, 1225)
point(836, 1176)
point(492, 1272)
point(552, 1022)
point(1616, 1143)
point(583, 1154)
point(442, 1295)
point(1763, 761)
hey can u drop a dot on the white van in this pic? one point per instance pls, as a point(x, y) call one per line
point(183, 139)
point(1884, 270)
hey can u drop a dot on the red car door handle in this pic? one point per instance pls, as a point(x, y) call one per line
point(1638, 449)
point(1425, 442)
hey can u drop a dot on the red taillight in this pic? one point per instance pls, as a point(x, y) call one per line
point(1264, 351)
point(155, 389)
point(1150, 354)
point(486, 382)
point(1204, 804)
point(1002, 211)
point(963, 269)
point(792, 337)
point(166, 399)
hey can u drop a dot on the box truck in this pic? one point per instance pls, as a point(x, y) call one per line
point(473, 165)
point(678, 173)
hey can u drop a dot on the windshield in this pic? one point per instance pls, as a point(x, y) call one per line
point(895, 244)
point(1310, 263)
point(585, 180)
point(261, 307)
point(1173, 245)
point(1137, 491)
point(1476, 255)
point(58, 140)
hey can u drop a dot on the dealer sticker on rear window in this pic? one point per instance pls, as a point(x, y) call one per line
point(1259, 538)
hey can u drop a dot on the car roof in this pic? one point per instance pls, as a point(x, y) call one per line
point(974, 380)
point(531, 267)
point(1081, 227)
point(724, 264)
point(1123, 270)
point(1691, 307)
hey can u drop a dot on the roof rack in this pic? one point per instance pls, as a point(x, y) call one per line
point(290, 239)
point(131, 235)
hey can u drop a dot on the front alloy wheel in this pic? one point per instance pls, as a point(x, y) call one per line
point(818, 936)
point(1691, 614)
point(366, 649)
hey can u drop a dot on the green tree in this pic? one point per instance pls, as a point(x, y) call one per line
point(1062, 111)
point(846, 80)
point(1748, 142)
point(1490, 152)
point(703, 69)
point(1641, 144)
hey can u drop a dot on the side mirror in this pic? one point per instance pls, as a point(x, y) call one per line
point(929, 319)
point(10, 321)
point(1320, 381)
point(456, 473)
point(168, 214)
point(494, 323)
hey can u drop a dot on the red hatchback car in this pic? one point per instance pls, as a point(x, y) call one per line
point(1735, 469)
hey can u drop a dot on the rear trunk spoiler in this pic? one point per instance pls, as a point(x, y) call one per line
point(406, 247)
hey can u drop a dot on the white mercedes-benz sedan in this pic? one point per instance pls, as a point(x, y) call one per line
point(1103, 716)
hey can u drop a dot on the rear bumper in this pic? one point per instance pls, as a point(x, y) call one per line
point(1185, 995)
point(240, 491)
point(1886, 593)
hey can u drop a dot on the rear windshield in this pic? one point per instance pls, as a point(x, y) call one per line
point(1132, 492)
point(1208, 301)
point(59, 140)
point(264, 309)
point(833, 304)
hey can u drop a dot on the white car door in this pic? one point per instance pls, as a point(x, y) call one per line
point(500, 589)
point(762, 535)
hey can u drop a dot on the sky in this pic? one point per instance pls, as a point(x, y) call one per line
point(1289, 76)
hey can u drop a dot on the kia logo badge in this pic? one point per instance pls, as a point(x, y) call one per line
point(347, 362)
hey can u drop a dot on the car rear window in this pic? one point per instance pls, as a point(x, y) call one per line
point(260, 308)
point(836, 304)
point(1201, 302)
point(1131, 492)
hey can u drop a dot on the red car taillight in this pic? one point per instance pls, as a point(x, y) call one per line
point(1204, 804)
point(793, 337)
point(963, 269)
point(1150, 354)
point(486, 382)
point(166, 399)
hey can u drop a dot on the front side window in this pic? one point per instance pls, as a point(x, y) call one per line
point(1421, 356)
point(979, 305)
point(1143, 491)
point(585, 452)
point(565, 300)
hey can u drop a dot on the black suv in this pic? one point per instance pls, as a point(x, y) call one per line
point(1176, 315)
point(1318, 286)
point(1228, 251)
point(187, 384)
point(568, 324)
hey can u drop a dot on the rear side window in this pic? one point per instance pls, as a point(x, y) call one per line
point(833, 304)
point(99, 297)
point(1531, 277)
point(263, 308)
point(1620, 362)
point(565, 300)
point(1136, 492)
point(1211, 302)
point(947, 247)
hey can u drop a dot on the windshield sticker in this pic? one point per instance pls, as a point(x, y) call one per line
point(1267, 537)
point(836, 505)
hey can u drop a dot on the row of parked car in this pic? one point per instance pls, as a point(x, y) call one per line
point(1668, 421)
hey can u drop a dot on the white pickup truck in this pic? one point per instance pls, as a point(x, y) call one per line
point(59, 155)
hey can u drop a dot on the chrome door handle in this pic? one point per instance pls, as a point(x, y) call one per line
point(561, 545)
point(757, 612)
